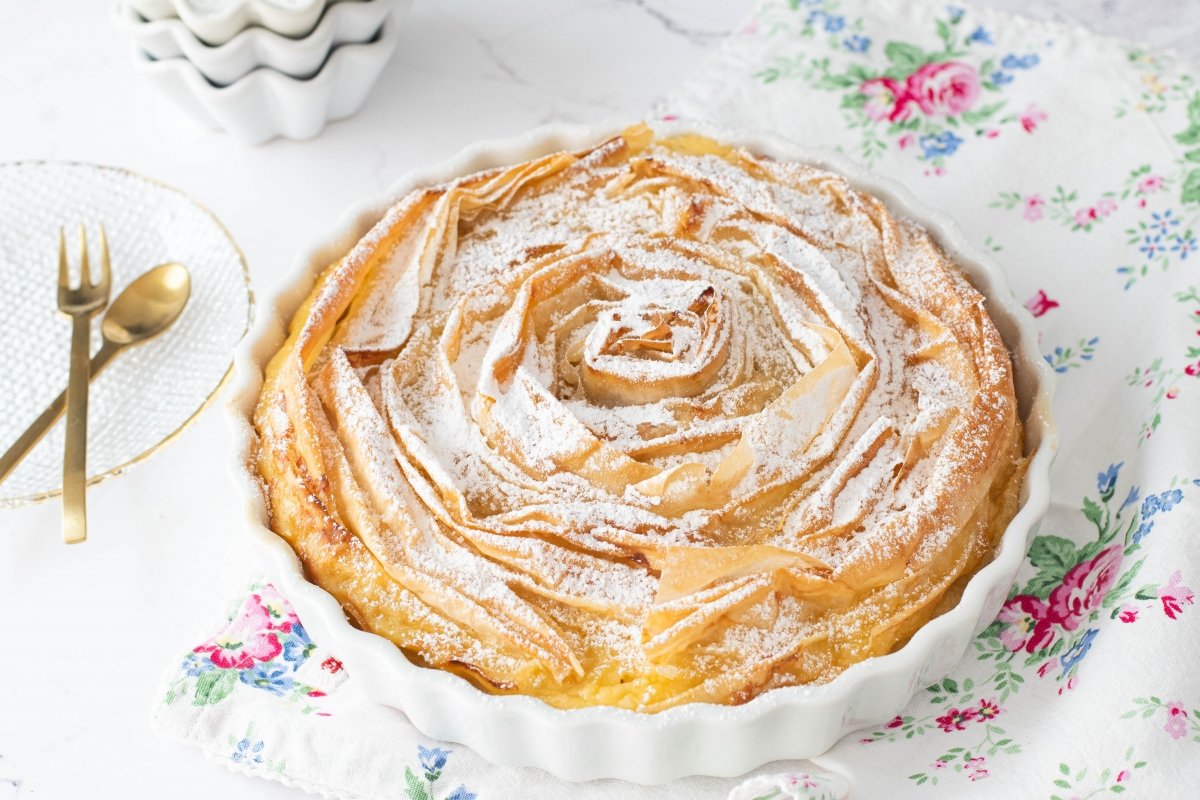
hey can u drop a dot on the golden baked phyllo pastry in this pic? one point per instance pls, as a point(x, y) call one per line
point(650, 423)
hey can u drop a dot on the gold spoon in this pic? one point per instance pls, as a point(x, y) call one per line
point(146, 308)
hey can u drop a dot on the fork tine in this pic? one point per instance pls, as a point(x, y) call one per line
point(85, 273)
point(64, 278)
point(105, 267)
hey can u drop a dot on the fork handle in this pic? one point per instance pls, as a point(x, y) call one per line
point(75, 451)
point(42, 425)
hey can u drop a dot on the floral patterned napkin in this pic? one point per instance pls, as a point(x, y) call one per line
point(1075, 160)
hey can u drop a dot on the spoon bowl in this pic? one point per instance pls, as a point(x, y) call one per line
point(148, 306)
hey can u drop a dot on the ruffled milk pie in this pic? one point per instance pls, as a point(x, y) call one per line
point(651, 423)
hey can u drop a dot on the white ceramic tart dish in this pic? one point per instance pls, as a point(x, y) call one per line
point(788, 721)
point(342, 23)
point(265, 104)
point(218, 21)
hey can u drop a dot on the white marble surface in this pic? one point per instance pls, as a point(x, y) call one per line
point(86, 632)
point(1158, 23)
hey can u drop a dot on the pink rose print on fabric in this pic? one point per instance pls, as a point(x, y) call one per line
point(924, 97)
point(886, 99)
point(945, 89)
point(1027, 626)
point(1176, 725)
point(246, 639)
point(1084, 217)
point(262, 646)
point(1034, 208)
point(1032, 117)
point(1084, 587)
point(939, 90)
point(1150, 184)
point(1174, 595)
point(1039, 304)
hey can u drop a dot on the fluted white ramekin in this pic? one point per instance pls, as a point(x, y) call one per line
point(170, 37)
point(265, 103)
point(223, 23)
point(694, 739)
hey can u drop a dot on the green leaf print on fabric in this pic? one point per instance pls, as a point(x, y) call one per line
point(1169, 380)
point(1088, 782)
point(213, 687)
point(1179, 722)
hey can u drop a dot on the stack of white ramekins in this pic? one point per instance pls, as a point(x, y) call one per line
point(263, 68)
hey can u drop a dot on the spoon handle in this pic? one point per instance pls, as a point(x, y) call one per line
point(42, 425)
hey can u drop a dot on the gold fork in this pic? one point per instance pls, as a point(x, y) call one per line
point(80, 304)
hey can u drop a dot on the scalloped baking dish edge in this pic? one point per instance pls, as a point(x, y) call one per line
point(342, 23)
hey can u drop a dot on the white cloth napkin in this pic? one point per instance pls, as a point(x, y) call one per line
point(1076, 162)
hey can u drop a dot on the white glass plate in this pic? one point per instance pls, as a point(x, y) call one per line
point(149, 392)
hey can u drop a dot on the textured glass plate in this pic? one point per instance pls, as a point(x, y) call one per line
point(149, 392)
